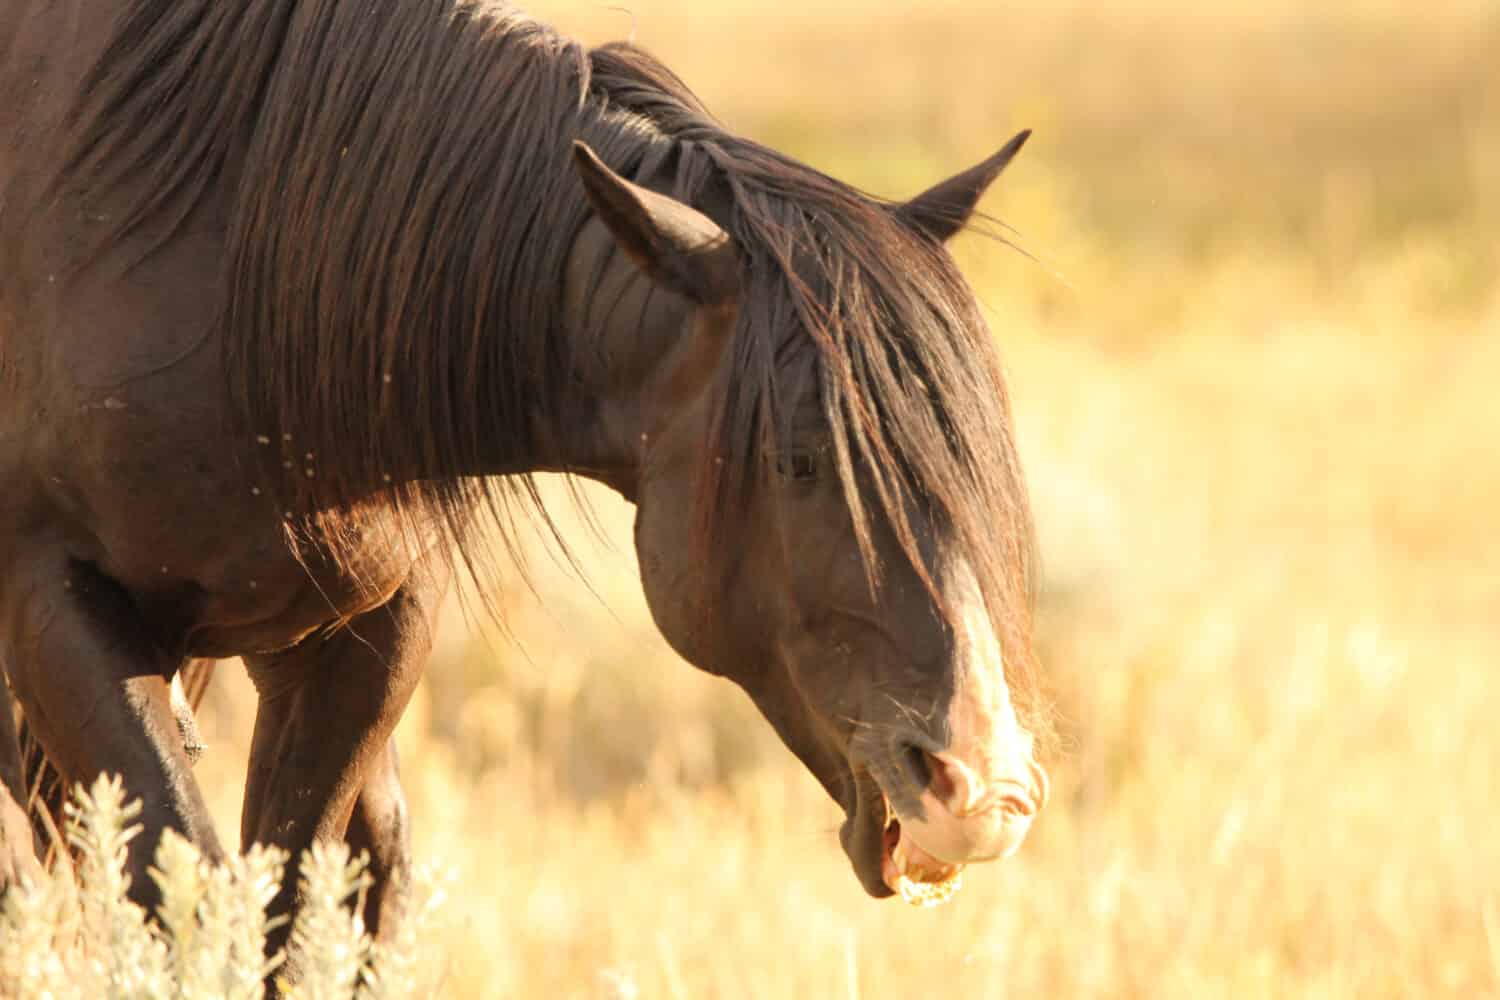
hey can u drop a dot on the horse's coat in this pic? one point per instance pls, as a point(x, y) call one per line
point(294, 294)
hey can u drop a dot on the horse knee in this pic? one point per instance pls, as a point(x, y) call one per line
point(381, 823)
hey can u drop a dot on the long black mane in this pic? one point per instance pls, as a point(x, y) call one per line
point(402, 213)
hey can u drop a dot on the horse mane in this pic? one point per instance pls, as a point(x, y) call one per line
point(402, 202)
point(404, 207)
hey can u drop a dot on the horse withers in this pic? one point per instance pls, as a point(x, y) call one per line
point(294, 295)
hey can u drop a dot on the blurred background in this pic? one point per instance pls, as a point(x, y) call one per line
point(1256, 362)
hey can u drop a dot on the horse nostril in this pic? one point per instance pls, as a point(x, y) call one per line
point(949, 783)
point(915, 762)
point(939, 773)
point(955, 784)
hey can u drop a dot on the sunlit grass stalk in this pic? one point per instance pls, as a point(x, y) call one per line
point(74, 932)
point(400, 966)
point(329, 944)
point(37, 928)
point(127, 959)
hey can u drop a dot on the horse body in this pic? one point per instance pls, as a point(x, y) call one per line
point(287, 285)
point(96, 454)
point(122, 492)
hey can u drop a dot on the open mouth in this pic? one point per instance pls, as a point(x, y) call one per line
point(886, 858)
point(910, 872)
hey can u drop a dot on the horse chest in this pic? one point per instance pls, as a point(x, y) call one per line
point(162, 506)
point(254, 595)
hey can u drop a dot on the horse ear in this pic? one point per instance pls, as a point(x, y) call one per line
point(943, 210)
point(676, 245)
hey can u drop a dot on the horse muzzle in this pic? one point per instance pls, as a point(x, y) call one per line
point(960, 818)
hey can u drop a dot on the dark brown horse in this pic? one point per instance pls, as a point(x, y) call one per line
point(295, 293)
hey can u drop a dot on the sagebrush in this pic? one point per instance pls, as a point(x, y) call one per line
point(74, 932)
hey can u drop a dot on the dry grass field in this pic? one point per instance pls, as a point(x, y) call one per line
point(1257, 370)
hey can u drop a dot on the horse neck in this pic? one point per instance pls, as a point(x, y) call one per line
point(622, 335)
point(398, 284)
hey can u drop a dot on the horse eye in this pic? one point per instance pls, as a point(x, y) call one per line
point(799, 465)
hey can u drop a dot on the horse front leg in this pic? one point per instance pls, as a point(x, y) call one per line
point(17, 851)
point(46, 794)
point(93, 687)
point(322, 742)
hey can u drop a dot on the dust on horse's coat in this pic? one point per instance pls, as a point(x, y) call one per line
point(294, 296)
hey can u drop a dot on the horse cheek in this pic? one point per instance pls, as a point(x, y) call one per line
point(672, 584)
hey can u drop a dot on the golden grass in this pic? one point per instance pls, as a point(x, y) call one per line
point(1255, 383)
point(72, 933)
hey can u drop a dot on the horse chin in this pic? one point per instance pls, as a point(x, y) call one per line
point(863, 836)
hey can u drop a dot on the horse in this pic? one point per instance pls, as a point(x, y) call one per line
point(296, 296)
